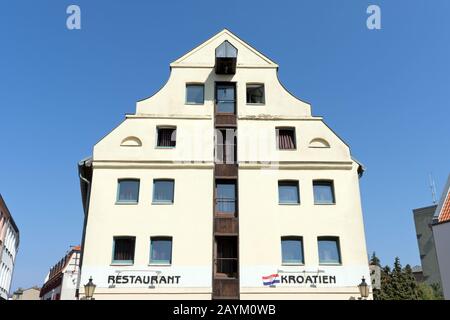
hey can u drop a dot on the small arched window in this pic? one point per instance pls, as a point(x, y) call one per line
point(131, 142)
point(319, 143)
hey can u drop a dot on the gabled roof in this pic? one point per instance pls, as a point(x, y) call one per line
point(212, 43)
point(442, 213)
point(55, 276)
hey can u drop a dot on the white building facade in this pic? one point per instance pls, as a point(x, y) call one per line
point(223, 185)
point(62, 280)
point(9, 245)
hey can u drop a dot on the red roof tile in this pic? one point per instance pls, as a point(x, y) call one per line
point(444, 215)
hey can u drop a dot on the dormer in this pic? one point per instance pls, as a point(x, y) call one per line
point(226, 57)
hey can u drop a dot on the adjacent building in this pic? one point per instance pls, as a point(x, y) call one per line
point(423, 220)
point(441, 233)
point(223, 185)
point(418, 274)
point(9, 245)
point(62, 280)
point(27, 294)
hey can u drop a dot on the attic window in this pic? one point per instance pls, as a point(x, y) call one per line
point(255, 93)
point(226, 57)
point(195, 93)
point(286, 138)
point(166, 137)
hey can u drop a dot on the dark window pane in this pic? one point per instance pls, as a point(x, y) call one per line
point(286, 139)
point(128, 191)
point(329, 251)
point(292, 251)
point(195, 94)
point(163, 191)
point(226, 261)
point(323, 192)
point(161, 251)
point(288, 192)
point(255, 93)
point(226, 197)
point(124, 249)
point(167, 137)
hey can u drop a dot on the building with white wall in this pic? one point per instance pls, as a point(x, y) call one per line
point(62, 280)
point(441, 234)
point(9, 245)
point(223, 185)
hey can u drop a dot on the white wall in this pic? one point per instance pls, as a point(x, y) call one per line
point(188, 221)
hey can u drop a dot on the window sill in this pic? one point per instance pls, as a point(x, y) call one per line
point(119, 264)
point(295, 149)
point(159, 264)
point(255, 104)
point(194, 104)
point(293, 264)
point(330, 264)
point(160, 147)
point(162, 203)
point(127, 203)
point(288, 204)
point(324, 204)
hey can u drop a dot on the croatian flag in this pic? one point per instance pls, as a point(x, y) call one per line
point(271, 280)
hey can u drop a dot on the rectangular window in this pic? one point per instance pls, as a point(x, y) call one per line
point(225, 146)
point(123, 250)
point(292, 250)
point(329, 251)
point(226, 196)
point(167, 137)
point(161, 250)
point(286, 138)
point(163, 190)
point(195, 94)
point(255, 94)
point(128, 191)
point(323, 192)
point(226, 261)
point(225, 98)
point(288, 192)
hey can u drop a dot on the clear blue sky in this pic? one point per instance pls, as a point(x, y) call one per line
point(386, 93)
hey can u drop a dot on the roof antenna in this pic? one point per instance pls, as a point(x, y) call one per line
point(432, 187)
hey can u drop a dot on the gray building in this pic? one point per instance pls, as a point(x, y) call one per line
point(423, 218)
point(375, 276)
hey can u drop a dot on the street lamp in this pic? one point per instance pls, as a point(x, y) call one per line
point(89, 289)
point(363, 289)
